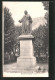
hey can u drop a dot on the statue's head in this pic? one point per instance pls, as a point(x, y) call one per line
point(25, 12)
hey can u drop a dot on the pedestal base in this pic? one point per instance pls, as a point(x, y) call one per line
point(26, 62)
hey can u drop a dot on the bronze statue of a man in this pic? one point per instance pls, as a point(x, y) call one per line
point(26, 23)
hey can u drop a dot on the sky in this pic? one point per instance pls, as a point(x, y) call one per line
point(35, 9)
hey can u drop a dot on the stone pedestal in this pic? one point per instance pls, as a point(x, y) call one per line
point(26, 59)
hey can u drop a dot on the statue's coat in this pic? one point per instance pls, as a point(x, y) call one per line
point(26, 24)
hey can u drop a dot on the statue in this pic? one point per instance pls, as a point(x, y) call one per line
point(26, 23)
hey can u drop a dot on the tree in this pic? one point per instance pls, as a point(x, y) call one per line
point(46, 5)
point(8, 30)
point(39, 40)
point(17, 41)
point(18, 32)
point(46, 37)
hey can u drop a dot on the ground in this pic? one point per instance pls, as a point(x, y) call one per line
point(11, 70)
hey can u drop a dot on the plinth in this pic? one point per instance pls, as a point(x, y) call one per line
point(26, 60)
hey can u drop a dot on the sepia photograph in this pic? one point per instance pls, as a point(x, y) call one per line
point(25, 39)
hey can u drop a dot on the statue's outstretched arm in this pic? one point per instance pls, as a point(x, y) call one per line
point(21, 20)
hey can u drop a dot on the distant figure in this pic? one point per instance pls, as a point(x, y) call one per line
point(26, 23)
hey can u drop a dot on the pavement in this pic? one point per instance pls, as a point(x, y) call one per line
point(12, 70)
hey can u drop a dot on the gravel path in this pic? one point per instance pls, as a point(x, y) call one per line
point(11, 70)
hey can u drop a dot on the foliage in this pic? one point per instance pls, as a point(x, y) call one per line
point(46, 5)
point(16, 48)
point(38, 42)
point(17, 32)
point(8, 30)
point(46, 38)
